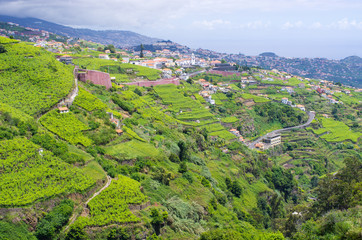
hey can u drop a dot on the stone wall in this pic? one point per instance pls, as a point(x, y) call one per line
point(95, 77)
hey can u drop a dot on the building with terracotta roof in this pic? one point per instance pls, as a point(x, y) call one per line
point(63, 109)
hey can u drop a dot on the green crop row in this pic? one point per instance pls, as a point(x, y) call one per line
point(88, 101)
point(337, 131)
point(28, 175)
point(224, 134)
point(256, 99)
point(31, 78)
point(111, 205)
point(66, 126)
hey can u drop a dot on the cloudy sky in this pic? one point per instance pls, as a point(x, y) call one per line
point(291, 28)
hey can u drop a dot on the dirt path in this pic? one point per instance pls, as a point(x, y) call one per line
point(84, 205)
point(109, 180)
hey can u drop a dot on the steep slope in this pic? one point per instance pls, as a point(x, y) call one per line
point(31, 78)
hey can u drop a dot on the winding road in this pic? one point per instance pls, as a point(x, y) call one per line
point(311, 116)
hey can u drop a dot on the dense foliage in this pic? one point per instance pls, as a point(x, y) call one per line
point(10, 231)
point(284, 114)
point(51, 224)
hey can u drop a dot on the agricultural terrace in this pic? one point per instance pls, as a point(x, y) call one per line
point(88, 101)
point(122, 71)
point(256, 99)
point(184, 107)
point(112, 205)
point(32, 80)
point(336, 131)
point(287, 82)
point(27, 175)
point(346, 98)
point(66, 126)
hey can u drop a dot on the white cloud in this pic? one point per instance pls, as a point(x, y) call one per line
point(345, 24)
point(290, 25)
point(255, 25)
point(210, 25)
point(316, 25)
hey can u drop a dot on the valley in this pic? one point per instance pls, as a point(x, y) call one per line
point(184, 160)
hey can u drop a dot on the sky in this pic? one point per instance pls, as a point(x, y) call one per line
point(289, 28)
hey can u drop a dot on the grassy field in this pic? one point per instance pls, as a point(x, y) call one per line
point(94, 171)
point(132, 149)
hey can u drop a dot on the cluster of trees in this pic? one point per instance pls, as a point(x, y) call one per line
point(52, 222)
point(282, 113)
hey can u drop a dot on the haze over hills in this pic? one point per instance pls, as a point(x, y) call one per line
point(347, 71)
point(116, 37)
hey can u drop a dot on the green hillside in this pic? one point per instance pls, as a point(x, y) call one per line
point(31, 78)
point(162, 163)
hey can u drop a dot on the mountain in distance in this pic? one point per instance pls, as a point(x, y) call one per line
point(268, 54)
point(118, 38)
point(352, 60)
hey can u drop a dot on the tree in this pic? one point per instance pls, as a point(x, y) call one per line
point(141, 54)
point(236, 189)
point(2, 49)
point(158, 219)
point(118, 234)
point(182, 167)
point(76, 232)
point(111, 48)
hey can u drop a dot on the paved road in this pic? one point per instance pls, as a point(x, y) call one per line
point(310, 119)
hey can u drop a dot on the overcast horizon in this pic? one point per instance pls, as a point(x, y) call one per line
point(290, 28)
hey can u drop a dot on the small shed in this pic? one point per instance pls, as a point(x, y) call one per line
point(63, 109)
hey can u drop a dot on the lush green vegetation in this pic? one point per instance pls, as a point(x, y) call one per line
point(32, 80)
point(178, 173)
point(28, 175)
point(336, 131)
point(256, 99)
point(10, 231)
point(66, 126)
point(111, 206)
point(51, 224)
point(132, 149)
point(87, 101)
point(282, 113)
